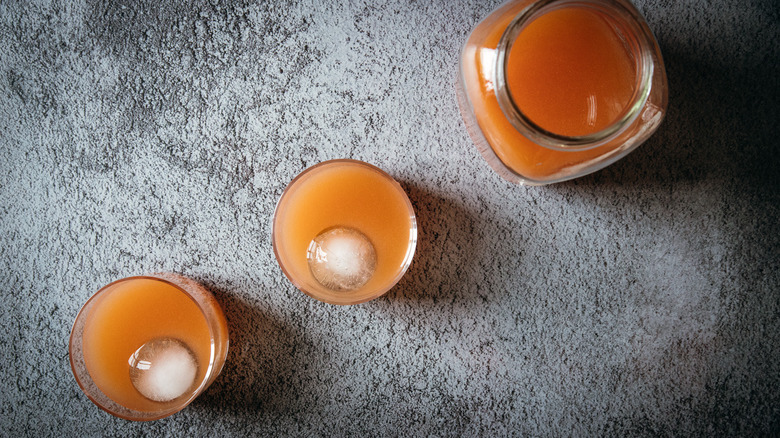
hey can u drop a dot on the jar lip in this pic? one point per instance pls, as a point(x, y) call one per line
point(642, 42)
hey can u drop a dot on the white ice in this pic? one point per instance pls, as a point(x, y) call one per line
point(341, 259)
point(163, 369)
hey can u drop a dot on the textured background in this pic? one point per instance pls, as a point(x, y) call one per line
point(642, 300)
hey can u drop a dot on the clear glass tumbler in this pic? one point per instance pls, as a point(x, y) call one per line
point(344, 232)
point(143, 348)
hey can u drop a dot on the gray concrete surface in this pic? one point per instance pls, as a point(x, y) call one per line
point(643, 300)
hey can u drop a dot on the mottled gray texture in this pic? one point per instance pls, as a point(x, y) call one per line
point(642, 300)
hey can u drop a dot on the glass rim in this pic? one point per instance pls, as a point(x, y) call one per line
point(348, 299)
point(643, 42)
point(88, 386)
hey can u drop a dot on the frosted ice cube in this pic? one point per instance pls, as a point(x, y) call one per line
point(163, 369)
point(341, 259)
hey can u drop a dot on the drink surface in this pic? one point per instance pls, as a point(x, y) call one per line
point(570, 73)
point(349, 195)
point(130, 314)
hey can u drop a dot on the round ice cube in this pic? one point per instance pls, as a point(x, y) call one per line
point(163, 369)
point(341, 259)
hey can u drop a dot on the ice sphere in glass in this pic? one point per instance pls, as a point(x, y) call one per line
point(341, 258)
point(163, 369)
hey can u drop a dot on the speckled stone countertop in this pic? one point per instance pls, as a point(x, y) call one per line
point(151, 136)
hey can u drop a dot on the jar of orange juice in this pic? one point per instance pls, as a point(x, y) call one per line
point(551, 90)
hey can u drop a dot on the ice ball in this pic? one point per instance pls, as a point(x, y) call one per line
point(163, 369)
point(341, 259)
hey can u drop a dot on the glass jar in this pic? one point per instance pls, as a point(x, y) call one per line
point(551, 90)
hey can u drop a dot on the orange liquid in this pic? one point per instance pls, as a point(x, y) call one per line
point(127, 316)
point(343, 194)
point(567, 71)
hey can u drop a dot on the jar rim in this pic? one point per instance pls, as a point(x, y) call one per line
point(641, 42)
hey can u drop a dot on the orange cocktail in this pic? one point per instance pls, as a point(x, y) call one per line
point(344, 232)
point(552, 90)
point(144, 347)
point(570, 73)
